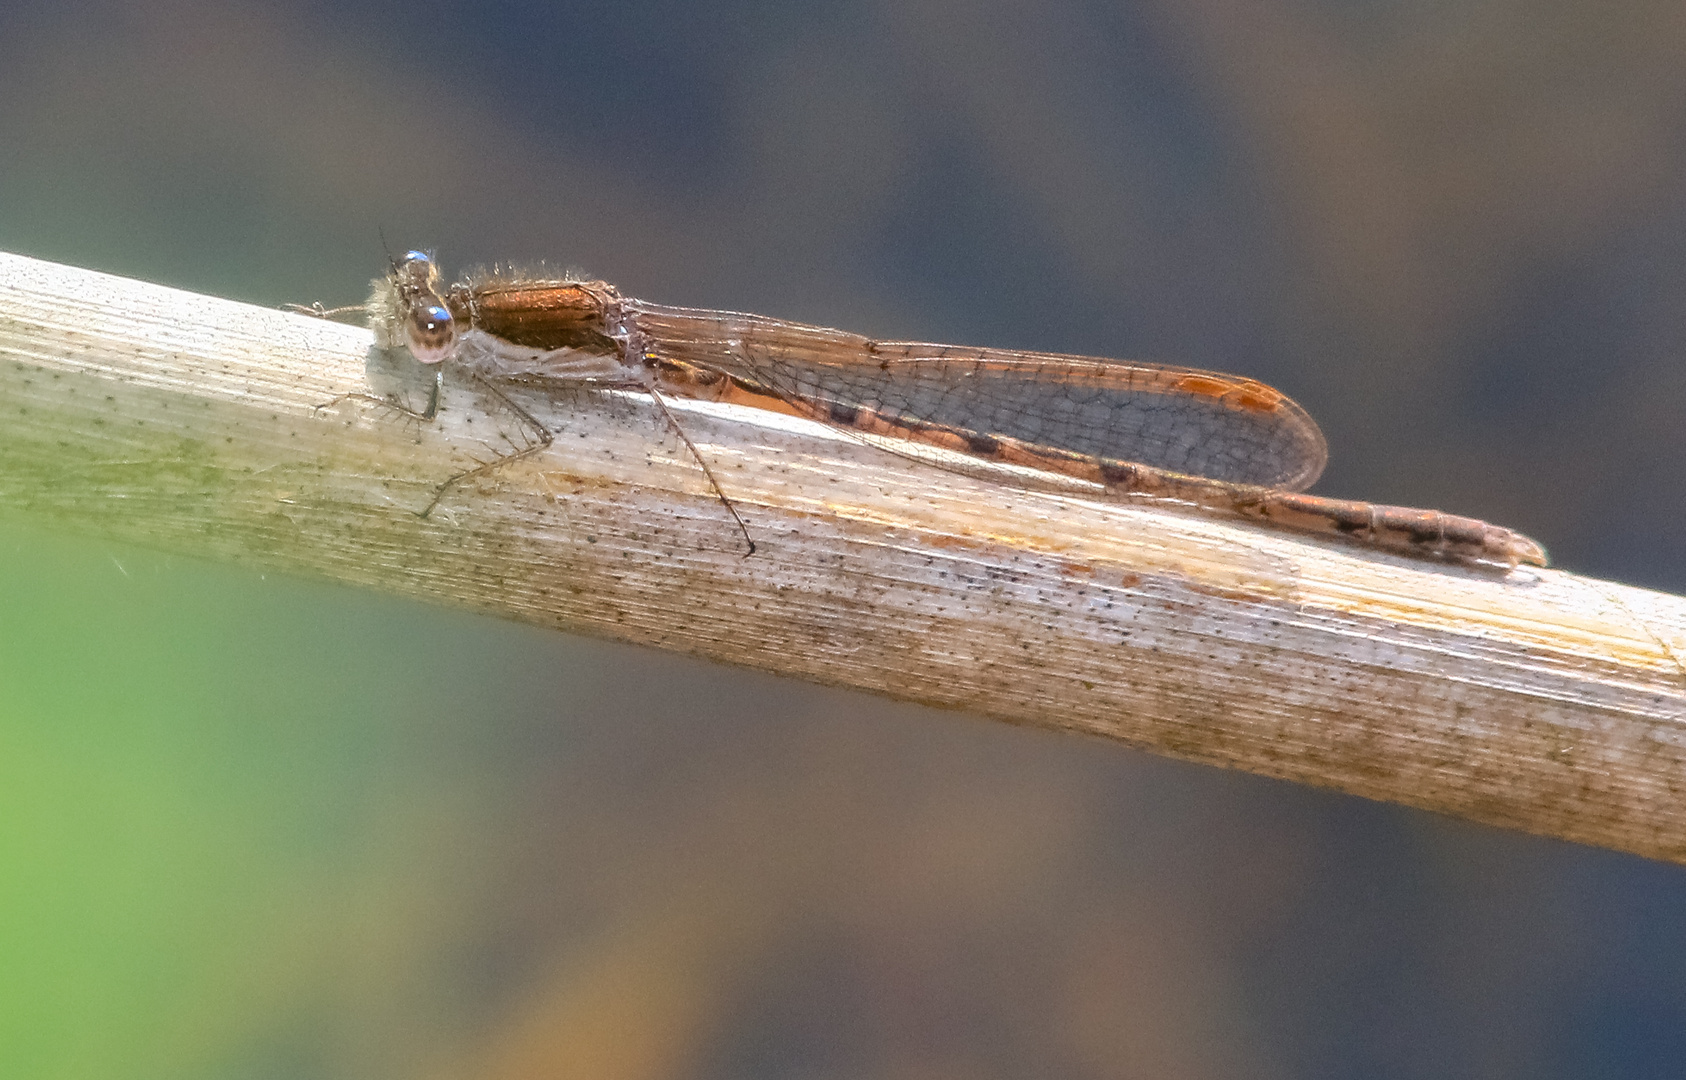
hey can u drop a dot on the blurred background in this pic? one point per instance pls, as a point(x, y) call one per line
point(257, 827)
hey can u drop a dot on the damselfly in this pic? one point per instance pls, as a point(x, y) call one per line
point(1129, 430)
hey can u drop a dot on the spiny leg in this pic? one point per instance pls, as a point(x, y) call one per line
point(673, 422)
point(545, 438)
point(391, 401)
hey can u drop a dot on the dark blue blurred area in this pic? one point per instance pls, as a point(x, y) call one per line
point(1456, 233)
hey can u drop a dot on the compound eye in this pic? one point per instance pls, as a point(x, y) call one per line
point(417, 269)
point(431, 333)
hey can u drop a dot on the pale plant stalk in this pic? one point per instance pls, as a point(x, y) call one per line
point(1534, 699)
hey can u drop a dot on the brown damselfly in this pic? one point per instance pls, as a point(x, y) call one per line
point(1127, 430)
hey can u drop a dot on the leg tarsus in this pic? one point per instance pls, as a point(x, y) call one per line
point(316, 310)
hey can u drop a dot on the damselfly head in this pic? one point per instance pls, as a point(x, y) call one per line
point(430, 332)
